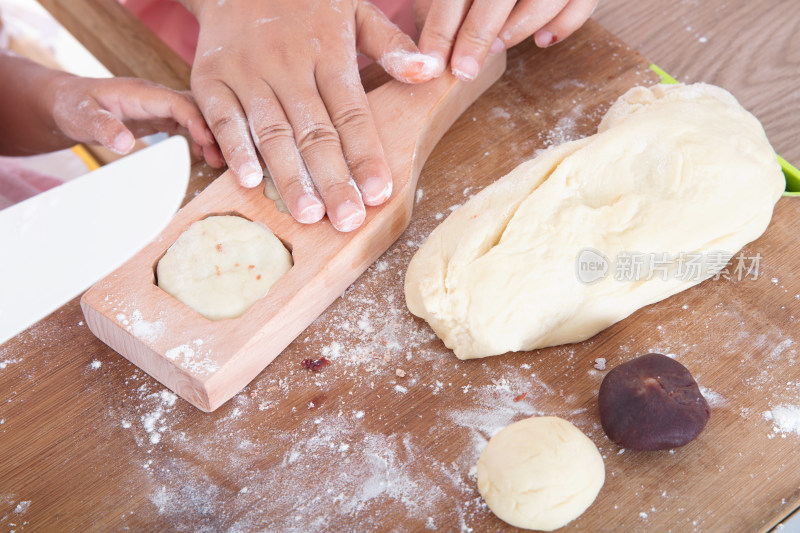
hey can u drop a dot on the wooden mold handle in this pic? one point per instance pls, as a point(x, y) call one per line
point(410, 120)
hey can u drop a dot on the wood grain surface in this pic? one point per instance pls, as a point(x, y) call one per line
point(750, 48)
point(386, 437)
point(120, 41)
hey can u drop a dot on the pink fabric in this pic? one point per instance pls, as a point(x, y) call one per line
point(18, 183)
point(171, 22)
point(401, 12)
point(178, 28)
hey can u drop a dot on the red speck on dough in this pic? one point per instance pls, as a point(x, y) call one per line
point(315, 365)
point(217, 269)
point(219, 247)
point(520, 396)
point(250, 267)
point(258, 277)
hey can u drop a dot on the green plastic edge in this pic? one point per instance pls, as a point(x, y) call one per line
point(790, 172)
point(792, 177)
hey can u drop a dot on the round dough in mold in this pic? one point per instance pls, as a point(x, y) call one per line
point(222, 265)
point(540, 473)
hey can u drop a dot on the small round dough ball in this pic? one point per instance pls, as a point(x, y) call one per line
point(540, 473)
point(221, 265)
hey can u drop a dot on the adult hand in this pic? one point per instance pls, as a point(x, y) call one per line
point(465, 31)
point(280, 78)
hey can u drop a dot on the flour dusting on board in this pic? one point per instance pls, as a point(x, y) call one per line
point(566, 128)
point(193, 357)
point(22, 507)
point(147, 330)
point(367, 475)
point(369, 470)
point(785, 419)
point(290, 454)
point(6, 362)
point(129, 316)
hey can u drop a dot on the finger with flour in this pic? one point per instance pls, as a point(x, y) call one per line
point(379, 39)
point(346, 102)
point(442, 23)
point(227, 121)
point(318, 142)
point(112, 112)
point(477, 37)
point(274, 137)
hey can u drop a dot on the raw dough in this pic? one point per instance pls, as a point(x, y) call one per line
point(540, 473)
point(672, 169)
point(271, 192)
point(221, 265)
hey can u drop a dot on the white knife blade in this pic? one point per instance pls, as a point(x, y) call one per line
point(58, 243)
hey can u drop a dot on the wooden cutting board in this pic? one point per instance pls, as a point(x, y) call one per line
point(386, 437)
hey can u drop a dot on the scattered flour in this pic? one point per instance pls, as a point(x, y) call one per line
point(500, 113)
point(566, 128)
point(265, 20)
point(410, 67)
point(154, 420)
point(713, 399)
point(212, 51)
point(780, 349)
point(785, 419)
point(144, 329)
point(193, 358)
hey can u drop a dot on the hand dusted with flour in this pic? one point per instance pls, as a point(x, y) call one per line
point(672, 169)
point(280, 78)
point(43, 110)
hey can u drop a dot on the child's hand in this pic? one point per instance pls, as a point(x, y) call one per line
point(465, 31)
point(113, 112)
point(281, 78)
point(42, 110)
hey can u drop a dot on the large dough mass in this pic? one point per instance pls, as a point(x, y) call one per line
point(540, 473)
point(222, 264)
point(673, 169)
